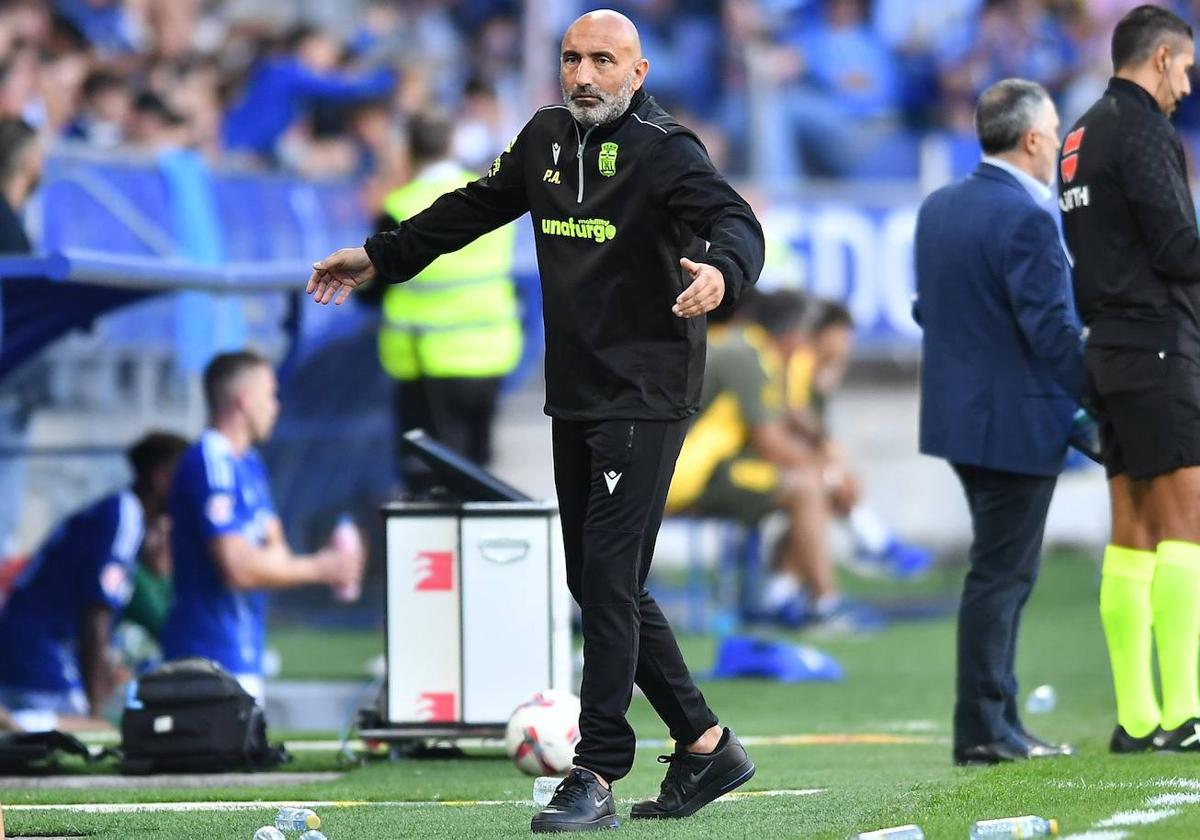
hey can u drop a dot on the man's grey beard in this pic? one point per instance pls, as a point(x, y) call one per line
point(607, 110)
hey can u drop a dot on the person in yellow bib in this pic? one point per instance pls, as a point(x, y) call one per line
point(453, 332)
point(741, 460)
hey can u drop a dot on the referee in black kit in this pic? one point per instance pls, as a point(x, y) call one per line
point(619, 192)
point(1130, 223)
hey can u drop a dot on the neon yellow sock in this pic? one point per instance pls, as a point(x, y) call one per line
point(1176, 597)
point(1125, 610)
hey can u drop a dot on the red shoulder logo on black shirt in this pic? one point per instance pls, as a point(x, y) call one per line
point(1070, 151)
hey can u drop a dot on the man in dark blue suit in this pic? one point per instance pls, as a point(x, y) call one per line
point(1001, 375)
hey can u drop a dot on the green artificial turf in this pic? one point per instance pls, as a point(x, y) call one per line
point(898, 684)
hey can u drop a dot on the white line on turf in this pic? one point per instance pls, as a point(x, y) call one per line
point(167, 807)
point(1177, 782)
point(1156, 807)
point(1166, 800)
point(1137, 817)
point(808, 739)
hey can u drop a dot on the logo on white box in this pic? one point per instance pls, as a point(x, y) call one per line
point(433, 571)
point(435, 707)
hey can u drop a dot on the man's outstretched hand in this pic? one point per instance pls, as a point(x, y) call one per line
point(705, 293)
point(340, 273)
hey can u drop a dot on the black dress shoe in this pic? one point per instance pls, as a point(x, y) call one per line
point(693, 780)
point(580, 803)
point(997, 752)
point(1184, 738)
point(1044, 749)
point(1123, 742)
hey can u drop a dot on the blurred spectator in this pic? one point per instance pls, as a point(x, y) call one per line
point(66, 62)
point(151, 590)
point(453, 332)
point(19, 89)
point(479, 130)
point(55, 629)
point(837, 95)
point(382, 156)
point(1009, 39)
point(227, 542)
point(107, 105)
point(154, 125)
point(282, 86)
point(108, 24)
point(914, 31)
point(20, 172)
point(170, 26)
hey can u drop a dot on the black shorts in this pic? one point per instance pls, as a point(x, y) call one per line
point(1148, 406)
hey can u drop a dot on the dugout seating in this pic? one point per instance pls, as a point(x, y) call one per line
point(718, 582)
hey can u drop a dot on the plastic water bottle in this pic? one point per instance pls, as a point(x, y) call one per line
point(1014, 828)
point(900, 832)
point(1041, 700)
point(346, 539)
point(543, 789)
point(312, 835)
point(296, 819)
point(269, 832)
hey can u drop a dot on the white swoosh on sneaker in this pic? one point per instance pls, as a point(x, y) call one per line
point(599, 803)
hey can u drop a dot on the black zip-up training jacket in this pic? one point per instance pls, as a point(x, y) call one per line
point(614, 208)
point(1130, 224)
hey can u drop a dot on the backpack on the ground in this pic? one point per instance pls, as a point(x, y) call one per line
point(192, 716)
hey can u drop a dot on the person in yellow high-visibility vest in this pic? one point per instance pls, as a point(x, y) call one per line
point(450, 334)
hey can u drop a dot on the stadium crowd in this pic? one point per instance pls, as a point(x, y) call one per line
point(274, 85)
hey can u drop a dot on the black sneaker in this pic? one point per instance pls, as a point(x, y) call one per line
point(1122, 742)
point(1185, 738)
point(580, 803)
point(695, 780)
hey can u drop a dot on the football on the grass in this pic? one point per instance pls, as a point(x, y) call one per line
point(542, 733)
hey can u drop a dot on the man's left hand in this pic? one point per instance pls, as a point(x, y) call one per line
point(704, 294)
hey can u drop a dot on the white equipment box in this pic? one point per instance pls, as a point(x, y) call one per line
point(477, 615)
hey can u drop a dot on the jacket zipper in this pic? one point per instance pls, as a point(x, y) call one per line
point(579, 158)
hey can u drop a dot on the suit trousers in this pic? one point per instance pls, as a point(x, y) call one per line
point(1008, 519)
point(612, 478)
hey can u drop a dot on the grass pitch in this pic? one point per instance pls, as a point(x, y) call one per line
point(899, 684)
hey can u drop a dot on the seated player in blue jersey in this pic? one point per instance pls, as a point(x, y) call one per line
point(55, 628)
point(227, 542)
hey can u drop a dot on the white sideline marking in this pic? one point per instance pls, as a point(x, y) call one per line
point(1169, 799)
point(1137, 817)
point(900, 733)
point(1155, 810)
point(1177, 782)
point(169, 807)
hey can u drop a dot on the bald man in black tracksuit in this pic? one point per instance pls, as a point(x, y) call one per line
point(617, 197)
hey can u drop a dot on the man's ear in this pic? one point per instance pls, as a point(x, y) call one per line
point(640, 70)
point(1162, 57)
point(1030, 140)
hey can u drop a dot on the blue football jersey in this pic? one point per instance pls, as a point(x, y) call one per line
point(87, 561)
point(216, 492)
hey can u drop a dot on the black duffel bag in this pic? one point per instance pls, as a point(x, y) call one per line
point(192, 716)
